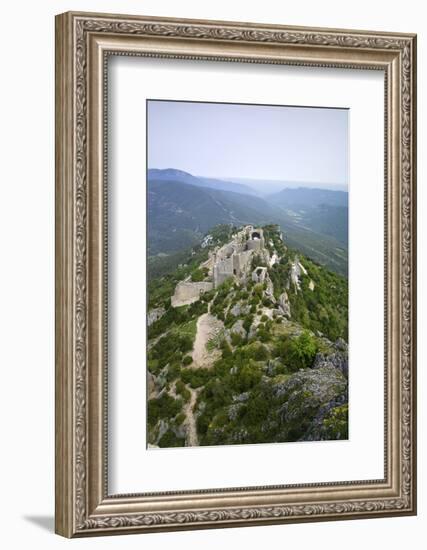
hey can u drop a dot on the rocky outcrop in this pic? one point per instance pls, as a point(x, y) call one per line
point(307, 397)
point(297, 270)
point(238, 309)
point(238, 328)
point(338, 360)
point(241, 397)
point(331, 421)
point(154, 315)
point(151, 383)
point(269, 291)
point(284, 305)
point(305, 406)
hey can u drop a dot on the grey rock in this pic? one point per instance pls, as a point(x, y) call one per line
point(319, 430)
point(236, 310)
point(338, 360)
point(284, 305)
point(162, 377)
point(180, 431)
point(233, 411)
point(341, 344)
point(304, 394)
point(272, 366)
point(151, 381)
point(163, 427)
point(242, 397)
point(270, 288)
point(238, 328)
point(155, 314)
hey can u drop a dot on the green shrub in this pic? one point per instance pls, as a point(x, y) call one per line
point(182, 390)
point(247, 377)
point(197, 308)
point(258, 291)
point(236, 339)
point(179, 386)
point(173, 371)
point(298, 353)
point(247, 323)
point(180, 419)
point(195, 377)
point(197, 275)
point(153, 366)
point(336, 422)
point(208, 296)
point(187, 360)
point(169, 439)
point(264, 335)
point(165, 407)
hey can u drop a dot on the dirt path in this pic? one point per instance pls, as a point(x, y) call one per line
point(208, 326)
point(191, 440)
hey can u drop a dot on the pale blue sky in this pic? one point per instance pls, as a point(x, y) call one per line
point(250, 141)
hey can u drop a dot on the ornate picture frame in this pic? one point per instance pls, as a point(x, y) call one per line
point(84, 42)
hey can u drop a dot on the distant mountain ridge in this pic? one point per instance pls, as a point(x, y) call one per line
point(302, 197)
point(182, 208)
point(179, 214)
point(172, 174)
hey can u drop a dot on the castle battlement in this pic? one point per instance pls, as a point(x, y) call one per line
point(233, 259)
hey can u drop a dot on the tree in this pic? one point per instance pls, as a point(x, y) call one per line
point(302, 350)
point(197, 275)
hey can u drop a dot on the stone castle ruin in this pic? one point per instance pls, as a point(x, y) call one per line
point(187, 292)
point(231, 260)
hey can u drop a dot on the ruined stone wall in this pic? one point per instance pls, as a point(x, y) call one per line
point(222, 271)
point(186, 293)
point(259, 274)
point(241, 261)
point(254, 244)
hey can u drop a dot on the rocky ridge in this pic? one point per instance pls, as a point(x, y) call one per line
point(274, 366)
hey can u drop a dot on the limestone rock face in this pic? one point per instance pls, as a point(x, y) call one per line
point(237, 328)
point(305, 406)
point(284, 305)
point(241, 397)
point(239, 309)
point(154, 315)
point(270, 288)
point(338, 360)
point(163, 427)
point(341, 344)
point(151, 381)
point(308, 396)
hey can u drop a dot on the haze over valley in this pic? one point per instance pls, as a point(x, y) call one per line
point(183, 207)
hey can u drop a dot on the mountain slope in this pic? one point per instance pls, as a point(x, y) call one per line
point(318, 211)
point(172, 174)
point(306, 197)
point(179, 214)
point(274, 363)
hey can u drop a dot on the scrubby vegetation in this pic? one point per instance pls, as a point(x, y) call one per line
point(264, 384)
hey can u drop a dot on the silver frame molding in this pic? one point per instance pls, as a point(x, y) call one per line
point(83, 43)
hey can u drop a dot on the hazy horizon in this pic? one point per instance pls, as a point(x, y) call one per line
point(278, 145)
point(272, 186)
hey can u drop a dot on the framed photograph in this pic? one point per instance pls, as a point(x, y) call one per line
point(235, 274)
